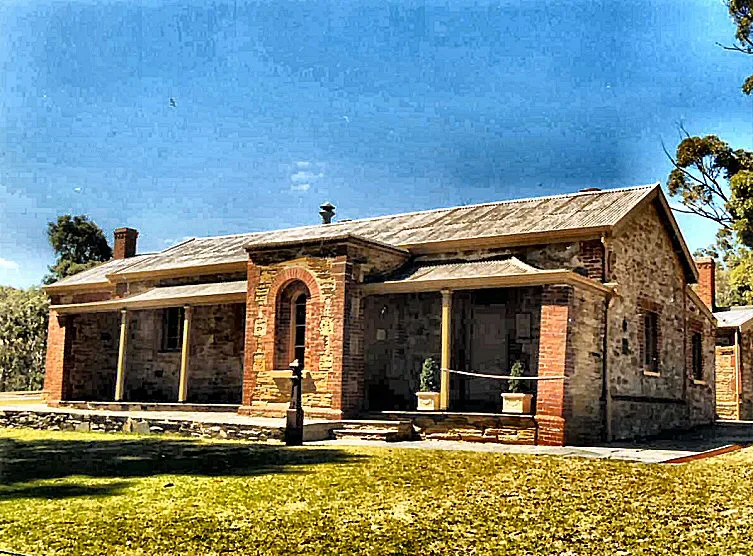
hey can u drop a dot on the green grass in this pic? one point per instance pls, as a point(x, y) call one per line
point(76, 493)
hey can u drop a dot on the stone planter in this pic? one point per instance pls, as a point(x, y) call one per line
point(428, 401)
point(516, 403)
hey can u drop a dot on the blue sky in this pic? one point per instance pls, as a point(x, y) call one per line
point(378, 107)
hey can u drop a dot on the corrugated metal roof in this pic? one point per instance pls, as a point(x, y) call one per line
point(196, 252)
point(466, 269)
point(582, 210)
point(97, 275)
point(594, 209)
point(733, 317)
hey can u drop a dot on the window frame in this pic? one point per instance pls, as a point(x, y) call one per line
point(297, 325)
point(696, 356)
point(171, 343)
point(651, 344)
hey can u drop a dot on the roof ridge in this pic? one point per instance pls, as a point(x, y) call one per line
point(648, 187)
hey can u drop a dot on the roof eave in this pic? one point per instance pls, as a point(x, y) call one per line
point(76, 288)
point(179, 272)
point(541, 278)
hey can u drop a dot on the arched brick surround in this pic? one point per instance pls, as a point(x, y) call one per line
point(265, 392)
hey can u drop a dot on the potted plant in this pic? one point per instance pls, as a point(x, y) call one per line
point(428, 396)
point(516, 399)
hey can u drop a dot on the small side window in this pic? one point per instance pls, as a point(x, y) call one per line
point(697, 355)
point(651, 341)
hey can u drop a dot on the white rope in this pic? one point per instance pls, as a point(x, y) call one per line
point(507, 377)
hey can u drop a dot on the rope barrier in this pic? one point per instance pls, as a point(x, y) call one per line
point(507, 377)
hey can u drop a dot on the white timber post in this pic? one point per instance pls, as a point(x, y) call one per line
point(183, 387)
point(122, 350)
point(444, 390)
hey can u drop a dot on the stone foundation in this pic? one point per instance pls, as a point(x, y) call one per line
point(108, 423)
point(472, 427)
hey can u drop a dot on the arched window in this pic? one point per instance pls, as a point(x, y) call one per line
point(290, 326)
point(299, 328)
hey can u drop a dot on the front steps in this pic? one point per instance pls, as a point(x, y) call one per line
point(384, 431)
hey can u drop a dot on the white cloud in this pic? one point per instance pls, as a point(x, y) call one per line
point(303, 164)
point(306, 176)
point(175, 241)
point(300, 187)
point(7, 264)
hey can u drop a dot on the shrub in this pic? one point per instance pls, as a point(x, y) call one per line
point(516, 386)
point(23, 338)
point(430, 376)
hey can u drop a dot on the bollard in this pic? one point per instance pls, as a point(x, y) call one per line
point(294, 423)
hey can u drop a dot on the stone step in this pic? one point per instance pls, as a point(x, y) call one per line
point(375, 430)
point(384, 435)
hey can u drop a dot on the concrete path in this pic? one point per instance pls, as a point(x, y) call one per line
point(640, 455)
point(652, 451)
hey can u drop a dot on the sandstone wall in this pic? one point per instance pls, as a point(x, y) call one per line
point(700, 394)
point(93, 356)
point(215, 373)
point(650, 278)
point(266, 392)
point(586, 257)
point(57, 359)
point(585, 419)
point(727, 403)
point(401, 331)
point(215, 357)
point(746, 360)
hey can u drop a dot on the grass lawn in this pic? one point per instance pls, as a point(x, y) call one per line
point(89, 493)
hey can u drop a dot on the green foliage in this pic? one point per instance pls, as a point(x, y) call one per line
point(517, 386)
point(741, 12)
point(716, 182)
point(95, 494)
point(429, 378)
point(79, 245)
point(23, 337)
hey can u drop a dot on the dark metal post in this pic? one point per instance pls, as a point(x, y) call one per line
point(294, 424)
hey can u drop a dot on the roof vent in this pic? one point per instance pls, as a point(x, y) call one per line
point(327, 212)
point(589, 189)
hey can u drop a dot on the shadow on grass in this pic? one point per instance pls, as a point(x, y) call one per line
point(54, 492)
point(23, 461)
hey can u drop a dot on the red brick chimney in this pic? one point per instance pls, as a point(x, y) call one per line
point(706, 287)
point(125, 243)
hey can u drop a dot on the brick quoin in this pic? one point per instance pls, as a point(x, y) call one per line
point(58, 344)
point(553, 402)
point(250, 342)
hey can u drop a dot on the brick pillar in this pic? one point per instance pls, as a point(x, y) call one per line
point(57, 361)
point(553, 403)
point(347, 384)
point(706, 287)
point(256, 330)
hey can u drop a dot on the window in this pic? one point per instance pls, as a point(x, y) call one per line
point(299, 328)
point(651, 341)
point(697, 355)
point(290, 325)
point(172, 328)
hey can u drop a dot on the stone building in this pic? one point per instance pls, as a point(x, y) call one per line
point(589, 291)
point(734, 349)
